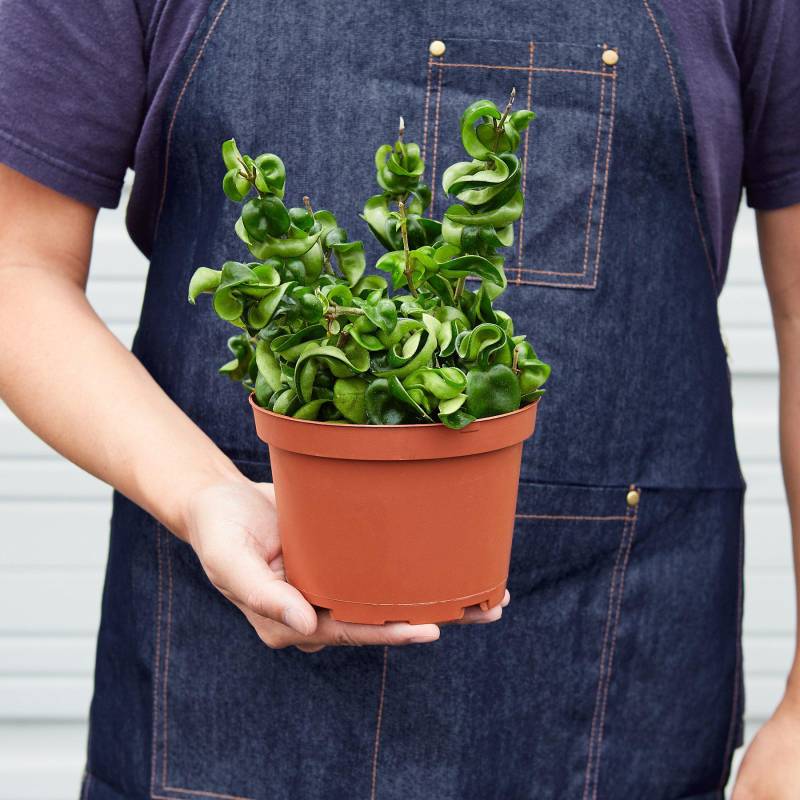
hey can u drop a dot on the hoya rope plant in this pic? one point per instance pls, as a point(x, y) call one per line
point(321, 340)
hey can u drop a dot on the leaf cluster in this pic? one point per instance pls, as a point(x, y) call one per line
point(319, 339)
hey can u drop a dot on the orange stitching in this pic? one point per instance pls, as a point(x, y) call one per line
point(588, 235)
point(602, 667)
point(204, 794)
point(157, 659)
point(612, 118)
point(531, 47)
point(165, 679)
point(605, 182)
point(178, 102)
point(556, 284)
point(570, 517)
point(436, 138)
point(167, 635)
point(684, 134)
point(427, 104)
point(601, 727)
point(526, 69)
point(379, 720)
point(530, 69)
point(738, 668)
point(572, 274)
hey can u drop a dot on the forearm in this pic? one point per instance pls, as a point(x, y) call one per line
point(779, 240)
point(789, 347)
point(74, 384)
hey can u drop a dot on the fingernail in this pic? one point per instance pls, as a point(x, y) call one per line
point(296, 620)
point(424, 638)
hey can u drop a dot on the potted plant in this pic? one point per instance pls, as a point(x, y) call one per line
point(395, 418)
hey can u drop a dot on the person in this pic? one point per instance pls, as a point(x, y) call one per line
point(616, 672)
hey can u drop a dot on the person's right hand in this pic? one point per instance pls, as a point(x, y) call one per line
point(232, 527)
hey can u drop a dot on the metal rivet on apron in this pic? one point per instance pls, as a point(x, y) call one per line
point(436, 48)
point(610, 57)
point(633, 497)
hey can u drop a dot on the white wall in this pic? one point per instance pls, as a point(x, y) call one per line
point(53, 527)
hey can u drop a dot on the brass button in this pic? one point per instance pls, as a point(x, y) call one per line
point(610, 57)
point(633, 498)
point(436, 48)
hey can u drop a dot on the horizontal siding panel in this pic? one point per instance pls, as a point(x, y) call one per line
point(46, 698)
point(769, 604)
point(745, 262)
point(762, 695)
point(755, 394)
point(55, 534)
point(768, 655)
point(756, 436)
point(117, 301)
point(41, 761)
point(49, 602)
point(764, 482)
point(752, 351)
point(46, 655)
point(745, 306)
point(48, 479)
point(768, 536)
point(114, 258)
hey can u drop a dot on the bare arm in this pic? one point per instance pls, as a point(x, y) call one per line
point(72, 382)
point(779, 240)
point(771, 768)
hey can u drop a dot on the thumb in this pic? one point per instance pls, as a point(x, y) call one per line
point(254, 585)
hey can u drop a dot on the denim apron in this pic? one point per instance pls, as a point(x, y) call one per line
point(616, 670)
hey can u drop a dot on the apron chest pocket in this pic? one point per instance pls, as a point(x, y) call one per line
point(565, 153)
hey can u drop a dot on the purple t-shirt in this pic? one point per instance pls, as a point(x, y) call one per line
point(83, 87)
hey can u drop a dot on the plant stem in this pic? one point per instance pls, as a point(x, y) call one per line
point(406, 252)
point(460, 283)
point(342, 311)
point(515, 362)
point(401, 129)
point(342, 340)
point(326, 258)
point(499, 126)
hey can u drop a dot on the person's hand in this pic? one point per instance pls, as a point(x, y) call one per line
point(770, 769)
point(232, 527)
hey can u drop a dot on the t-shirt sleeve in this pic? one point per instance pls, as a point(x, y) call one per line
point(770, 77)
point(72, 93)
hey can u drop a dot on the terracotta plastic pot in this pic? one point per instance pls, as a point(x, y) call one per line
point(384, 523)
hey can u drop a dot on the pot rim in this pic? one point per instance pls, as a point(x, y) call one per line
point(414, 442)
point(410, 426)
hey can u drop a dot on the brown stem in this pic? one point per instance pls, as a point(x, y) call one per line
point(341, 311)
point(500, 125)
point(515, 361)
point(406, 251)
point(326, 258)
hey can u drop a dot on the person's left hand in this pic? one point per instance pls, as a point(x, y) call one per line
point(770, 769)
